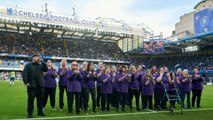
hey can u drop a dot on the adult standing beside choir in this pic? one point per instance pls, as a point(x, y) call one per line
point(185, 87)
point(83, 71)
point(90, 79)
point(148, 83)
point(62, 72)
point(106, 89)
point(50, 85)
point(162, 78)
point(33, 80)
point(74, 87)
point(197, 87)
point(114, 73)
point(123, 79)
point(134, 87)
point(99, 72)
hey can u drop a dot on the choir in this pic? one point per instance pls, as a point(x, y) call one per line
point(111, 88)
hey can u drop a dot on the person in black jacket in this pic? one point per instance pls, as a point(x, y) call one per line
point(33, 79)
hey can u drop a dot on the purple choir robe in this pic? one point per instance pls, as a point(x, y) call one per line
point(123, 85)
point(106, 87)
point(98, 79)
point(49, 79)
point(165, 80)
point(197, 82)
point(148, 90)
point(74, 81)
point(84, 75)
point(185, 87)
point(62, 79)
point(89, 83)
point(135, 81)
point(115, 84)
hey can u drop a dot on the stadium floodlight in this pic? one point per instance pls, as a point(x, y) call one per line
point(48, 30)
point(68, 33)
point(2, 25)
point(88, 35)
point(24, 28)
point(11, 26)
point(107, 37)
point(57, 31)
point(78, 34)
point(35, 29)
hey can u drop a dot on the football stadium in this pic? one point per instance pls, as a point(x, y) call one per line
point(55, 66)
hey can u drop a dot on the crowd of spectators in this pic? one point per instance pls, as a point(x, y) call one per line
point(6, 42)
point(51, 46)
point(54, 47)
point(92, 49)
point(203, 62)
point(5, 75)
point(28, 45)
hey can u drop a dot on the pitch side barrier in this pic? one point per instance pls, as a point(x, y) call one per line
point(60, 58)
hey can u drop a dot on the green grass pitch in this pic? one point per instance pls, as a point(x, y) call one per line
point(13, 104)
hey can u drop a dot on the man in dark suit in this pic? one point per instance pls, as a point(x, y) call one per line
point(33, 79)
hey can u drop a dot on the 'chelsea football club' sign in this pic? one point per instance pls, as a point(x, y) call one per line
point(46, 16)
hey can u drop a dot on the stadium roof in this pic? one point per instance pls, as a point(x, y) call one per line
point(201, 40)
point(58, 30)
point(33, 22)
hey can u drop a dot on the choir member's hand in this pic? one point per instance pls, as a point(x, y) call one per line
point(148, 78)
point(65, 68)
point(189, 76)
point(27, 85)
point(108, 76)
point(113, 74)
point(126, 75)
point(168, 75)
point(197, 76)
point(88, 75)
point(113, 80)
point(76, 72)
point(161, 72)
point(94, 73)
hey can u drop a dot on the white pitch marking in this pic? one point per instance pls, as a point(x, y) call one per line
point(105, 115)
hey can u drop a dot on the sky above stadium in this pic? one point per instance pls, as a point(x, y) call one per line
point(159, 15)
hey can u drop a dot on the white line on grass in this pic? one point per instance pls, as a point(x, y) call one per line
point(106, 115)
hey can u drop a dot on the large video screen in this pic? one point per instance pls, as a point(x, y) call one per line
point(153, 47)
point(203, 21)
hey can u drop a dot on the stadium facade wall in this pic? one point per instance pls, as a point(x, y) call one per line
point(186, 22)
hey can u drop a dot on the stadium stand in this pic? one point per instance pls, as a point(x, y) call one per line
point(5, 43)
point(94, 50)
point(188, 61)
point(51, 46)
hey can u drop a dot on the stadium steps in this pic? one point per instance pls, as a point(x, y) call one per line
point(13, 48)
point(42, 46)
point(65, 45)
